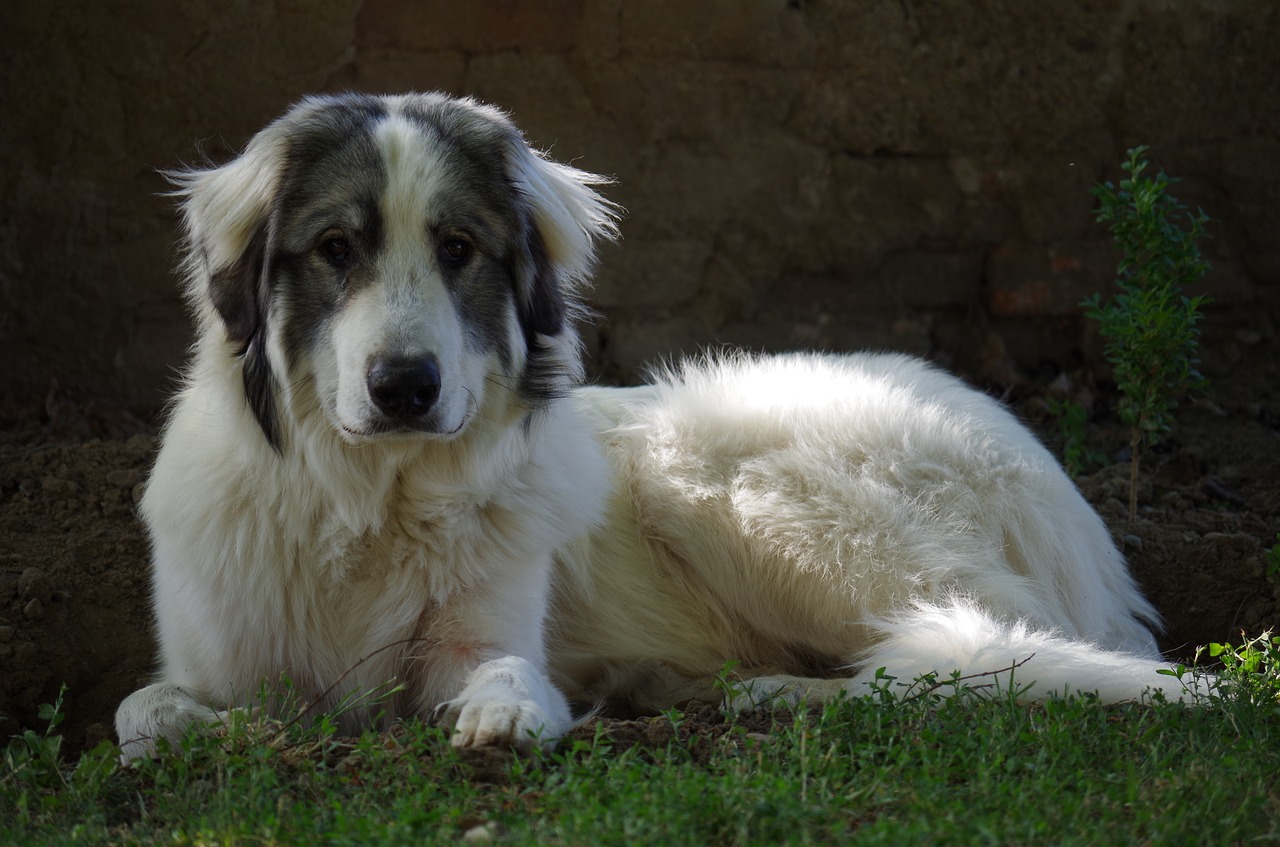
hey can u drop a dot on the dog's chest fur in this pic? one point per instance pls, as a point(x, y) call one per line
point(339, 553)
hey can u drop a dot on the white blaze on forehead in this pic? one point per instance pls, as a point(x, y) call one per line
point(415, 172)
point(415, 304)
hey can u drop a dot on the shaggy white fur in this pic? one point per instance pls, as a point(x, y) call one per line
point(825, 514)
point(812, 518)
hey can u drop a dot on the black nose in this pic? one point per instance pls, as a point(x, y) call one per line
point(404, 388)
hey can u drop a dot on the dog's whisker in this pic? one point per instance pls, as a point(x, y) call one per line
point(501, 381)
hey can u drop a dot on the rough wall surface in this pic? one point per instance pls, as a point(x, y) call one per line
point(797, 173)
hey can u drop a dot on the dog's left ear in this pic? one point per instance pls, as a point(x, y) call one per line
point(567, 217)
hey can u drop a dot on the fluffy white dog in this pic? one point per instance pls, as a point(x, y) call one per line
point(381, 469)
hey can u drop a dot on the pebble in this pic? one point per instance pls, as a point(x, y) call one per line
point(58, 487)
point(34, 584)
point(34, 610)
point(481, 834)
point(140, 445)
point(124, 478)
point(94, 734)
point(1133, 542)
point(1248, 337)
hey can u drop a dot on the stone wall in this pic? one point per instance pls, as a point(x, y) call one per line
point(905, 174)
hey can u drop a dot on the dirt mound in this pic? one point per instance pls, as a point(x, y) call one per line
point(74, 585)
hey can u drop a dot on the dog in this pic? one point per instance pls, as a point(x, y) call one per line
point(382, 467)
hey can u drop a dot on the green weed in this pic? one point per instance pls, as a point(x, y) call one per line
point(1250, 671)
point(1077, 457)
point(37, 783)
point(1150, 325)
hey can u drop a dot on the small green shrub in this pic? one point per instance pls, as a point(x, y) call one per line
point(1250, 671)
point(38, 783)
point(34, 762)
point(1077, 457)
point(1150, 325)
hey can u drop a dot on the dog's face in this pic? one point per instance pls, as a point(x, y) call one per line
point(392, 261)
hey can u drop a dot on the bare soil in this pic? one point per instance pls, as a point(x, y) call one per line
point(74, 596)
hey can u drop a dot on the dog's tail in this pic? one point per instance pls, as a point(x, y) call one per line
point(960, 638)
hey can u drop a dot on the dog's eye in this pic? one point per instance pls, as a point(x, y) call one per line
point(454, 251)
point(336, 249)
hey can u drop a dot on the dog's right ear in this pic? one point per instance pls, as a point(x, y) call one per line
point(226, 211)
point(236, 294)
point(226, 214)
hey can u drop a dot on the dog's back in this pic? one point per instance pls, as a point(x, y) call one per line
point(807, 514)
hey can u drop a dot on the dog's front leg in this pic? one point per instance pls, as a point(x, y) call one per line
point(488, 664)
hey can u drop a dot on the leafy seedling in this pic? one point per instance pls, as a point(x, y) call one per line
point(1150, 324)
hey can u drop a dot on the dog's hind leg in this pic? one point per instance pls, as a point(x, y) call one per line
point(925, 648)
point(162, 710)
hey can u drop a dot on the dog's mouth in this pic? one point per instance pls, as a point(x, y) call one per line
point(388, 430)
point(429, 426)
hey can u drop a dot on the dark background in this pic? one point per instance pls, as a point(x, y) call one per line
point(843, 175)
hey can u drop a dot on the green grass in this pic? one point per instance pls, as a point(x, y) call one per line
point(966, 770)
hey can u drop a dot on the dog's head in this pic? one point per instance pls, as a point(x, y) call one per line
point(392, 260)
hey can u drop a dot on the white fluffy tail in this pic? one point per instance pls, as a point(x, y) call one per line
point(961, 638)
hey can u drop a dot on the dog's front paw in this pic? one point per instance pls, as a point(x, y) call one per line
point(158, 711)
point(506, 702)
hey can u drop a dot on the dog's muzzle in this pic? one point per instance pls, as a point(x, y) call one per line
point(404, 389)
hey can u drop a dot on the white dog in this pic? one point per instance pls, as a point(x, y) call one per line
point(380, 468)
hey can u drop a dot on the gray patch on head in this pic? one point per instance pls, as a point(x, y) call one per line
point(333, 178)
point(324, 141)
point(482, 289)
point(478, 199)
point(480, 145)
